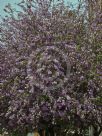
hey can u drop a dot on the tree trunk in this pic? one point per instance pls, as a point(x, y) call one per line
point(91, 131)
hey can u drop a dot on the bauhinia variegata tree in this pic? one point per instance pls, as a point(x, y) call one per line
point(50, 69)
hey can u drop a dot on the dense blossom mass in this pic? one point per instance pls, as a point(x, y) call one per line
point(51, 68)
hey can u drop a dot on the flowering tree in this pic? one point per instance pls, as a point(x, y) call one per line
point(50, 69)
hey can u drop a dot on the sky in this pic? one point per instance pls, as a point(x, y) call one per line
point(12, 2)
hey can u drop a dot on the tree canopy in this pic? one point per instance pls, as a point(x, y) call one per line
point(51, 68)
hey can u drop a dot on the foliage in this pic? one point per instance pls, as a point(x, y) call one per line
point(50, 69)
